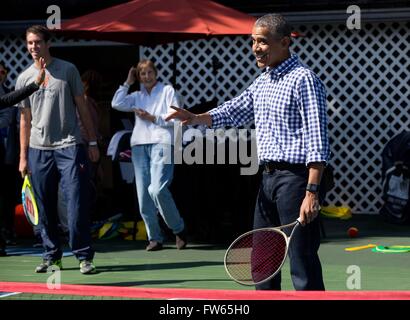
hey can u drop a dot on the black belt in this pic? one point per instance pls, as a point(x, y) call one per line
point(271, 166)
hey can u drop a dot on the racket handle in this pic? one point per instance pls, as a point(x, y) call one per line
point(361, 247)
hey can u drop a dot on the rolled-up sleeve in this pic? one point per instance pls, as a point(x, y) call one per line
point(312, 104)
point(18, 95)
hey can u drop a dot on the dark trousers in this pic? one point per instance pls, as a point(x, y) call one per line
point(8, 198)
point(280, 196)
point(3, 187)
point(47, 168)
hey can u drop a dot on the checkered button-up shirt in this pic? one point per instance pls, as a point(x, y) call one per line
point(288, 105)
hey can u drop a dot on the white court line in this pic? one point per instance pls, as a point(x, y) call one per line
point(9, 294)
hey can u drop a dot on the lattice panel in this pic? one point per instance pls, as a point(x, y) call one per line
point(14, 54)
point(366, 73)
point(196, 81)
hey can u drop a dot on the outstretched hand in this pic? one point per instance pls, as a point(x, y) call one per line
point(186, 117)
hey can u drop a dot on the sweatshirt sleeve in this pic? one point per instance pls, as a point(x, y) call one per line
point(10, 99)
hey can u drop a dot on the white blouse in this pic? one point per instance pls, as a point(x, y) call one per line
point(157, 103)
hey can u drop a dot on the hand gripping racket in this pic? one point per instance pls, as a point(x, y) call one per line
point(29, 202)
point(258, 255)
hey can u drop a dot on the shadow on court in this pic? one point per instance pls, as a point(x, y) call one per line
point(154, 266)
point(154, 282)
point(114, 245)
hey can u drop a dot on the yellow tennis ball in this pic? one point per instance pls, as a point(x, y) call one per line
point(353, 232)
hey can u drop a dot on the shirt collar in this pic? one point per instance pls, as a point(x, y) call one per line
point(284, 67)
point(153, 90)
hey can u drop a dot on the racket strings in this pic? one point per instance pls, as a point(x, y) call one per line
point(256, 256)
point(29, 205)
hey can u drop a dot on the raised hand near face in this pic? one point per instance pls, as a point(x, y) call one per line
point(132, 76)
point(42, 73)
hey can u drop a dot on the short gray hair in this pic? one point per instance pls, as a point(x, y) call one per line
point(276, 24)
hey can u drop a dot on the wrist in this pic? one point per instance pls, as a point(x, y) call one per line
point(92, 143)
point(312, 188)
point(205, 118)
point(23, 152)
point(127, 84)
point(311, 195)
point(196, 119)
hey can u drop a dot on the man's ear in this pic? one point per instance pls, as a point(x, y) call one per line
point(285, 42)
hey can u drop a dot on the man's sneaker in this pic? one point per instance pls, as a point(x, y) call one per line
point(87, 267)
point(43, 267)
point(180, 240)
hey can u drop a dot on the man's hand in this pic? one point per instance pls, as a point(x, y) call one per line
point(145, 115)
point(310, 208)
point(186, 117)
point(42, 73)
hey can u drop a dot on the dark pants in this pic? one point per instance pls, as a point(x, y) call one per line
point(280, 196)
point(8, 198)
point(3, 187)
point(69, 165)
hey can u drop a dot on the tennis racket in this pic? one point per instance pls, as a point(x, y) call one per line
point(29, 202)
point(258, 255)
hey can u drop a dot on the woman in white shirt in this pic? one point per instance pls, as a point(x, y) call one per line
point(152, 150)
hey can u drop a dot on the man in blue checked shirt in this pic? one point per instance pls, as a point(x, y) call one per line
point(287, 102)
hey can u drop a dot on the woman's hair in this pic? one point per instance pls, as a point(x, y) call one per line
point(92, 83)
point(146, 63)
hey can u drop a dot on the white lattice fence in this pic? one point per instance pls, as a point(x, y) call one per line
point(195, 79)
point(14, 54)
point(366, 73)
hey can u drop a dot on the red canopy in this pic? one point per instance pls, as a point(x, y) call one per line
point(150, 22)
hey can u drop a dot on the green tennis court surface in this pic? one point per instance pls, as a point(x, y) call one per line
point(123, 263)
